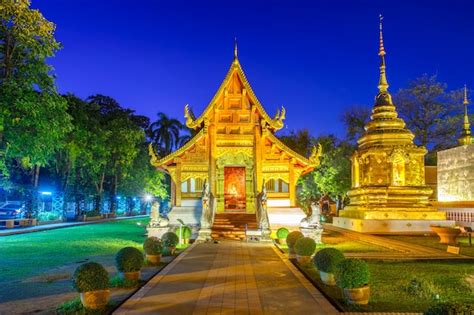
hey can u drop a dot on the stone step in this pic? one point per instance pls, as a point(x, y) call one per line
point(232, 225)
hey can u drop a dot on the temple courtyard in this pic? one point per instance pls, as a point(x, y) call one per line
point(330, 191)
point(226, 276)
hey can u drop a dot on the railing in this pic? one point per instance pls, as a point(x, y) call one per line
point(460, 216)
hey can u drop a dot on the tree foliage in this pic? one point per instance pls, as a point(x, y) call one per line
point(165, 133)
point(35, 117)
point(354, 119)
point(332, 176)
point(431, 111)
point(300, 141)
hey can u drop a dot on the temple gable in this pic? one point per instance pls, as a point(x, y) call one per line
point(235, 151)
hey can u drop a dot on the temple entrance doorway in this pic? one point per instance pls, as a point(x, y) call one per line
point(234, 189)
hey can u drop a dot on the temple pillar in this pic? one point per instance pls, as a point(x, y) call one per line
point(292, 185)
point(258, 157)
point(178, 185)
point(173, 192)
point(212, 158)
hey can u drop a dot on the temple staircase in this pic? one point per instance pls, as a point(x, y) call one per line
point(232, 225)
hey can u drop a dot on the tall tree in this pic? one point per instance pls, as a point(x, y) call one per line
point(300, 141)
point(354, 119)
point(165, 133)
point(431, 112)
point(35, 117)
point(123, 140)
point(4, 173)
point(333, 176)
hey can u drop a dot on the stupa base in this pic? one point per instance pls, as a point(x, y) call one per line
point(371, 226)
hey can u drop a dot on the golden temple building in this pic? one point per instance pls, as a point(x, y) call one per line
point(388, 191)
point(235, 150)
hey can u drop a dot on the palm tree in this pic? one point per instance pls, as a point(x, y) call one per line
point(165, 133)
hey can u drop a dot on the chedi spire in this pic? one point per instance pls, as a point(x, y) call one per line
point(465, 137)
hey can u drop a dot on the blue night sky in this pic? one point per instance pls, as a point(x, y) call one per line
point(315, 58)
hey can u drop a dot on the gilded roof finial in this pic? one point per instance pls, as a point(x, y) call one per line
point(235, 48)
point(383, 84)
point(466, 128)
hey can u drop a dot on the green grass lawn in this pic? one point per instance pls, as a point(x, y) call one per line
point(29, 254)
point(392, 291)
point(433, 241)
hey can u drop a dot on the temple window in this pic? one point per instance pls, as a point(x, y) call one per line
point(276, 185)
point(192, 185)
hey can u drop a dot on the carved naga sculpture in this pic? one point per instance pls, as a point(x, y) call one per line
point(189, 115)
point(279, 117)
point(316, 154)
point(207, 216)
point(262, 213)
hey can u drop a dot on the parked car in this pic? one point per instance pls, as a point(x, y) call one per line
point(12, 210)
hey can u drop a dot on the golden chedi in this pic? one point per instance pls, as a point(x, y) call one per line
point(388, 191)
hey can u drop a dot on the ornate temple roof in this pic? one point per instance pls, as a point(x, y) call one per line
point(275, 123)
point(157, 162)
point(269, 125)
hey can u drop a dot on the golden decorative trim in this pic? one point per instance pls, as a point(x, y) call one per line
point(275, 124)
point(160, 162)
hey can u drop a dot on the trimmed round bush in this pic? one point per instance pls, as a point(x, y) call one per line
point(450, 308)
point(185, 230)
point(152, 246)
point(327, 259)
point(305, 246)
point(129, 259)
point(282, 232)
point(293, 237)
point(170, 239)
point(352, 273)
point(90, 276)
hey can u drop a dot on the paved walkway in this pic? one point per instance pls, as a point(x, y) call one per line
point(228, 278)
point(45, 227)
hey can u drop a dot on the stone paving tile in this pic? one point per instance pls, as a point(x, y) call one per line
point(228, 278)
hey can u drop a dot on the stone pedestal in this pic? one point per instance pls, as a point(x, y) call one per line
point(389, 226)
point(266, 236)
point(314, 233)
point(157, 231)
point(204, 235)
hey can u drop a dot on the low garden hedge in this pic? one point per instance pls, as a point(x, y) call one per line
point(152, 246)
point(293, 237)
point(170, 239)
point(450, 309)
point(305, 246)
point(352, 273)
point(129, 259)
point(282, 233)
point(90, 276)
point(327, 259)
